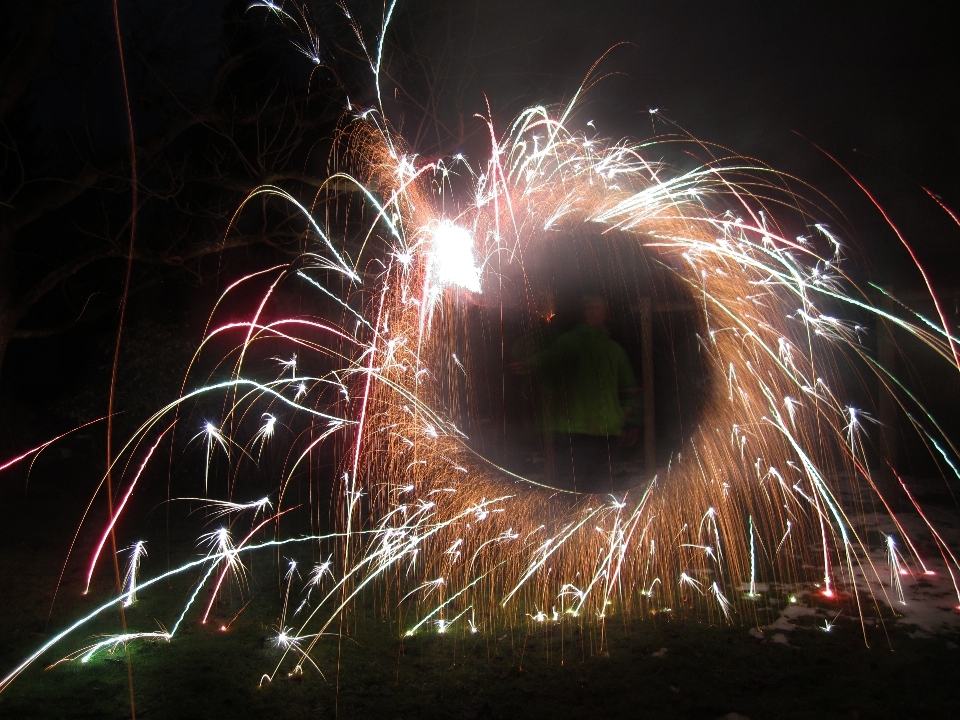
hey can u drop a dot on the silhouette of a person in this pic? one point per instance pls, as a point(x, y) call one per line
point(590, 401)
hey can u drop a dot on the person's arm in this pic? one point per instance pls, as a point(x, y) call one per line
point(548, 357)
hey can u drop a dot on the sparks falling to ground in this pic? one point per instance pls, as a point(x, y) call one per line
point(768, 488)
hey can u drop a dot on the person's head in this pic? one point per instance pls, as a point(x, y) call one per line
point(595, 311)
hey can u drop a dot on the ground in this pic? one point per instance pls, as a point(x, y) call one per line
point(782, 663)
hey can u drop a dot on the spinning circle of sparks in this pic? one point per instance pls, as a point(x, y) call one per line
point(468, 546)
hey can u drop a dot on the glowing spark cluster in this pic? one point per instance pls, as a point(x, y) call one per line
point(452, 257)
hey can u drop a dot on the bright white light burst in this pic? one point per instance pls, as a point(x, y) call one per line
point(452, 257)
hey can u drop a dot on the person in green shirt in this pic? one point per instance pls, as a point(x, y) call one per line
point(590, 401)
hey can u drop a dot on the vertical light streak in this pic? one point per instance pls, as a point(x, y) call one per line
point(138, 551)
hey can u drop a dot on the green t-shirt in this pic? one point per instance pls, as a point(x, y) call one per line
point(587, 382)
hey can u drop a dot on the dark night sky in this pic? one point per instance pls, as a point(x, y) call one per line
point(745, 75)
point(849, 76)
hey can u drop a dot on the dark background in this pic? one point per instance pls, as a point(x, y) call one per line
point(874, 84)
point(871, 84)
